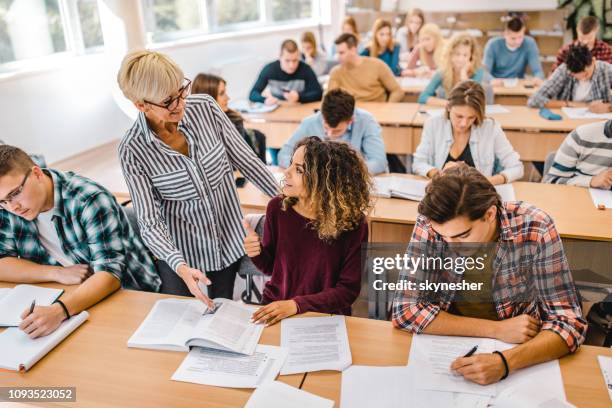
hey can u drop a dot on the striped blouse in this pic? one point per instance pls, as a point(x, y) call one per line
point(187, 206)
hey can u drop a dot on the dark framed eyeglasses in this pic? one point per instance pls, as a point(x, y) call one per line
point(15, 193)
point(172, 103)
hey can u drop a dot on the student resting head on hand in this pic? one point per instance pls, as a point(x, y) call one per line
point(313, 233)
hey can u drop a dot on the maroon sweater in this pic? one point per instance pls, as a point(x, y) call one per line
point(320, 276)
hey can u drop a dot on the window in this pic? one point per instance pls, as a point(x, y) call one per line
point(168, 20)
point(39, 28)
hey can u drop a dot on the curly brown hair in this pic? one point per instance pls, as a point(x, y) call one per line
point(337, 184)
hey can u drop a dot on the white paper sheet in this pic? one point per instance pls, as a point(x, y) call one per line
point(20, 298)
point(244, 106)
point(410, 82)
point(17, 350)
point(4, 292)
point(433, 356)
point(584, 113)
point(506, 191)
point(275, 394)
point(365, 387)
point(605, 363)
point(227, 369)
point(315, 343)
point(601, 197)
point(495, 109)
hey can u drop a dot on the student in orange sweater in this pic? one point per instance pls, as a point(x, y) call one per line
point(313, 233)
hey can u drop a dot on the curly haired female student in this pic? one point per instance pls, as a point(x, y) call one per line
point(313, 233)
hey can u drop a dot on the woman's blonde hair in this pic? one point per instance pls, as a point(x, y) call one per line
point(446, 66)
point(411, 38)
point(148, 75)
point(375, 48)
point(337, 184)
point(350, 20)
point(433, 31)
point(309, 37)
point(468, 93)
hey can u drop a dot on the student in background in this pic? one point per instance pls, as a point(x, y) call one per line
point(286, 79)
point(312, 55)
point(585, 157)
point(383, 47)
point(587, 30)
point(510, 55)
point(527, 295)
point(349, 26)
point(61, 227)
point(408, 35)
point(464, 135)
point(582, 81)
point(461, 61)
point(313, 233)
point(217, 88)
point(177, 160)
point(425, 57)
point(367, 79)
point(339, 120)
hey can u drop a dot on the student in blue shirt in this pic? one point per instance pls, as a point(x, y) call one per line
point(383, 46)
point(460, 61)
point(509, 56)
point(339, 120)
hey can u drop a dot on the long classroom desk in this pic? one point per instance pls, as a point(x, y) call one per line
point(516, 95)
point(106, 373)
point(532, 136)
point(394, 118)
point(392, 219)
point(377, 343)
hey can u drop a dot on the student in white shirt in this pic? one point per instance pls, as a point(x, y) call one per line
point(463, 134)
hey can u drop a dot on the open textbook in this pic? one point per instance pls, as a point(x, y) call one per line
point(177, 324)
point(414, 189)
point(315, 343)
point(14, 301)
point(18, 352)
point(227, 369)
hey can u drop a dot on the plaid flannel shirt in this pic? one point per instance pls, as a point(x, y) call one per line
point(561, 86)
point(601, 51)
point(539, 284)
point(92, 229)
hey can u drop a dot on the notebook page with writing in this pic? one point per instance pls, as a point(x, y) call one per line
point(20, 298)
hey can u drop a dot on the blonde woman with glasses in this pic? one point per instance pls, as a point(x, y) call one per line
point(177, 159)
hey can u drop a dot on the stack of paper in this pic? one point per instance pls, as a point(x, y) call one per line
point(19, 352)
point(226, 369)
point(315, 343)
point(13, 302)
point(275, 394)
point(399, 187)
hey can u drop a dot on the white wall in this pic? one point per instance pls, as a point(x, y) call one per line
point(64, 111)
point(475, 5)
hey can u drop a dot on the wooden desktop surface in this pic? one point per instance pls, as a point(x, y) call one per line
point(377, 343)
point(106, 373)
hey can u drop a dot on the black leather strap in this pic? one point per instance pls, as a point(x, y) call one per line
point(63, 307)
point(505, 364)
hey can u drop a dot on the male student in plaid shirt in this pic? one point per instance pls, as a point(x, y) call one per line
point(531, 299)
point(60, 227)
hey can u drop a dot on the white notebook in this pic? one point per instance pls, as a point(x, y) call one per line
point(399, 187)
point(177, 324)
point(18, 352)
point(20, 298)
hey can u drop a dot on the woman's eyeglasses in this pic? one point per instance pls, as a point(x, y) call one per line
point(172, 103)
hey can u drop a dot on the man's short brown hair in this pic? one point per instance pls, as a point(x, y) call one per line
point(13, 158)
point(347, 38)
point(338, 106)
point(459, 191)
point(588, 24)
point(290, 46)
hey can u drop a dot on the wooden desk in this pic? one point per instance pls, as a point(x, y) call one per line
point(517, 95)
point(532, 136)
point(377, 343)
point(395, 119)
point(106, 373)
